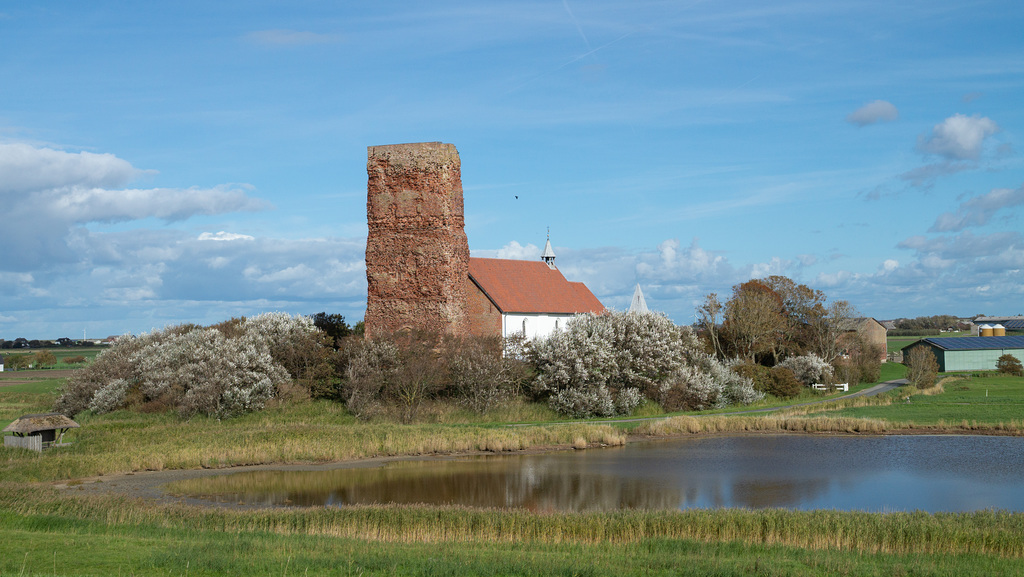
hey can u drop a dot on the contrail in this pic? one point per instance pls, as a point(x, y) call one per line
point(576, 22)
point(570, 61)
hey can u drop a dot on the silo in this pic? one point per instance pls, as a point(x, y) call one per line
point(999, 331)
point(986, 330)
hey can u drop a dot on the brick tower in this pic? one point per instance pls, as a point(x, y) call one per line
point(417, 255)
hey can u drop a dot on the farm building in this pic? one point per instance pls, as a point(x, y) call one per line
point(38, 432)
point(969, 353)
point(871, 331)
point(1008, 324)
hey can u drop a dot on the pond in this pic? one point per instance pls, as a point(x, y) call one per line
point(878, 473)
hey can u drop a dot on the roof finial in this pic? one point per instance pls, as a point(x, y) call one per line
point(549, 255)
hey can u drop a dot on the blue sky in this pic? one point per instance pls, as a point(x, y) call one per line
point(191, 161)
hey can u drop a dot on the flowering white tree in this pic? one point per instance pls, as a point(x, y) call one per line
point(809, 369)
point(602, 365)
point(189, 368)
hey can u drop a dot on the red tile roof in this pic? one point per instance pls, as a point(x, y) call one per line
point(525, 286)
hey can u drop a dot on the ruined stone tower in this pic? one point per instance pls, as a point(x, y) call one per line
point(417, 255)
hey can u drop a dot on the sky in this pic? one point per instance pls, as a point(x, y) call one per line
point(173, 162)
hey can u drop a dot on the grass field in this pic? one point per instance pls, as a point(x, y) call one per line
point(45, 531)
point(965, 402)
point(61, 353)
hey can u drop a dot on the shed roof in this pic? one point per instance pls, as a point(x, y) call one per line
point(976, 343)
point(524, 286)
point(40, 422)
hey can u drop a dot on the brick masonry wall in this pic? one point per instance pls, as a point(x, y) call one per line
point(484, 317)
point(417, 254)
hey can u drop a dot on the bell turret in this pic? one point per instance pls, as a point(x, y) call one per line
point(549, 255)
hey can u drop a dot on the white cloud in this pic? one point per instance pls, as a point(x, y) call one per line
point(873, 112)
point(25, 168)
point(979, 210)
point(775, 266)
point(99, 205)
point(47, 194)
point(959, 137)
point(224, 236)
point(513, 251)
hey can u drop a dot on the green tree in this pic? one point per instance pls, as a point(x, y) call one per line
point(333, 325)
point(1010, 365)
point(15, 362)
point(45, 359)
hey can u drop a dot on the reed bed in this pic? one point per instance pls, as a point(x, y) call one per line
point(686, 425)
point(981, 533)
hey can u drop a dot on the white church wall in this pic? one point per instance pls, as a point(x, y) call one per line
point(533, 325)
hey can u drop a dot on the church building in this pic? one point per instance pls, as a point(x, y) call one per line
point(520, 296)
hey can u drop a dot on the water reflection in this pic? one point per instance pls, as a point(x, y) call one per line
point(933, 473)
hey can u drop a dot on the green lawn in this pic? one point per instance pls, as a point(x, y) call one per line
point(966, 400)
point(61, 353)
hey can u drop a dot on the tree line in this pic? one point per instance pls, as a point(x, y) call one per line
point(770, 337)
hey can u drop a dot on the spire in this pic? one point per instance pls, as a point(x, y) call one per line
point(549, 255)
point(639, 305)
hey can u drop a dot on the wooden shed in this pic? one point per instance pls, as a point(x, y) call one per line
point(38, 432)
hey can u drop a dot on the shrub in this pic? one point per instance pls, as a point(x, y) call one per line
point(44, 359)
point(585, 368)
point(1010, 365)
point(373, 364)
point(809, 369)
point(759, 375)
point(785, 385)
point(224, 371)
point(922, 368)
point(705, 384)
point(583, 402)
point(76, 360)
point(480, 376)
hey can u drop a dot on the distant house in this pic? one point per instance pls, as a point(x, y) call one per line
point(38, 432)
point(871, 331)
point(531, 298)
point(969, 353)
point(1, 363)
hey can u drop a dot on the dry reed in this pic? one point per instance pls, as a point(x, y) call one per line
point(983, 532)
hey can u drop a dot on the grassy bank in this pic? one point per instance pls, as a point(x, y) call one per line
point(53, 532)
point(959, 401)
point(311, 432)
point(135, 537)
